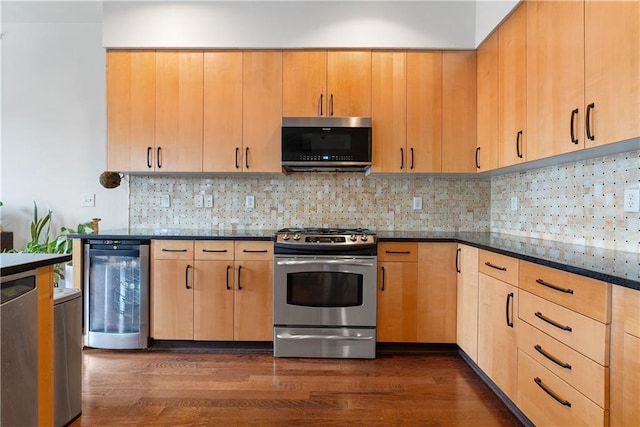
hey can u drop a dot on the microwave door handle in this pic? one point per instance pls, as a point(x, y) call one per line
point(329, 261)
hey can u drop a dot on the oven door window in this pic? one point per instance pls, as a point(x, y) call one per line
point(324, 289)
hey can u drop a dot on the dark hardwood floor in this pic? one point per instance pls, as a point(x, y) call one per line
point(176, 388)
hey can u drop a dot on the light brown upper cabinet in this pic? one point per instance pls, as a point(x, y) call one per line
point(326, 83)
point(131, 103)
point(389, 111)
point(612, 71)
point(487, 112)
point(406, 109)
point(512, 88)
point(458, 112)
point(179, 111)
point(555, 78)
point(262, 111)
point(424, 111)
point(222, 144)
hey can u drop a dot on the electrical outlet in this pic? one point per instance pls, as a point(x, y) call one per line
point(417, 203)
point(88, 200)
point(208, 201)
point(514, 203)
point(165, 201)
point(632, 200)
point(198, 201)
point(250, 202)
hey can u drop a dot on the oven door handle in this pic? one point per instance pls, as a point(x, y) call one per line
point(329, 261)
point(288, 336)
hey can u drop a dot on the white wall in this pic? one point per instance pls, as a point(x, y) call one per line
point(490, 13)
point(448, 24)
point(53, 116)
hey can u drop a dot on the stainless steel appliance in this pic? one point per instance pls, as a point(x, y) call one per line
point(325, 293)
point(19, 350)
point(116, 280)
point(326, 144)
point(67, 355)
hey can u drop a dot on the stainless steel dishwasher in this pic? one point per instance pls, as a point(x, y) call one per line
point(67, 355)
point(19, 350)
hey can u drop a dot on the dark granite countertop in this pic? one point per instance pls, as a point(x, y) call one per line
point(178, 234)
point(616, 267)
point(18, 263)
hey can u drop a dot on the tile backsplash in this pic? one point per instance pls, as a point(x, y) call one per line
point(579, 202)
point(312, 199)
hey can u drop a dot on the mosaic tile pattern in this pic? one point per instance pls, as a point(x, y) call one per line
point(578, 202)
point(311, 199)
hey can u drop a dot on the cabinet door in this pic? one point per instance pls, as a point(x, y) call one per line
point(222, 139)
point(172, 296)
point(397, 293)
point(612, 70)
point(262, 111)
point(131, 103)
point(254, 301)
point(179, 107)
point(467, 301)
point(304, 83)
point(349, 83)
point(458, 112)
point(424, 110)
point(512, 88)
point(389, 112)
point(213, 300)
point(436, 294)
point(487, 111)
point(497, 340)
point(555, 78)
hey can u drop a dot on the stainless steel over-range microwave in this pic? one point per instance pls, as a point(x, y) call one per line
point(340, 144)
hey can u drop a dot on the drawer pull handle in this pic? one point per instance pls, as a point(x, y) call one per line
point(488, 264)
point(398, 252)
point(173, 250)
point(551, 357)
point(551, 393)
point(248, 251)
point(553, 322)
point(214, 251)
point(554, 287)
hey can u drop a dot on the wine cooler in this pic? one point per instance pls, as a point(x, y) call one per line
point(116, 291)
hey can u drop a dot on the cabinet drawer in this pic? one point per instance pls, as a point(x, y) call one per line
point(577, 370)
point(632, 312)
point(172, 249)
point(587, 336)
point(499, 266)
point(251, 250)
point(582, 294)
point(398, 251)
point(537, 387)
point(214, 250)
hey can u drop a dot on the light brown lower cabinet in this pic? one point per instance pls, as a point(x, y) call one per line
point(416, 292)
point(497, 332)
point(625, 357)
point(212, 290)
point(467, 300)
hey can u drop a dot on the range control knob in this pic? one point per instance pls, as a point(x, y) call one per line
point(285, 236)
point(364, 238)
point(353, 238)
point(296, 237)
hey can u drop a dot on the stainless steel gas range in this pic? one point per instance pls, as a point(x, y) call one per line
point(325, 293)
